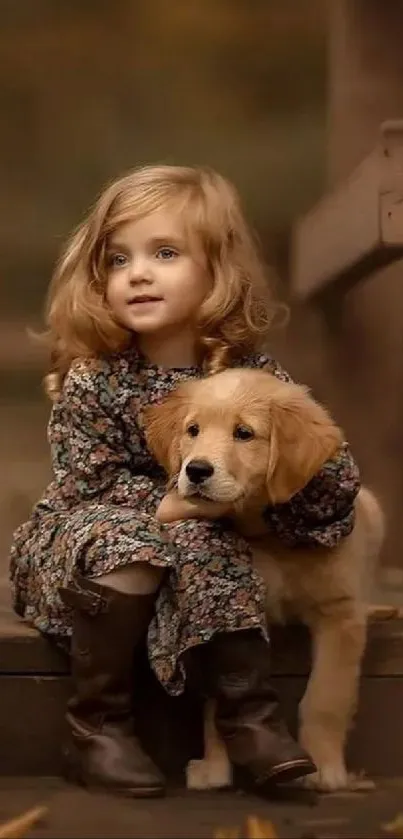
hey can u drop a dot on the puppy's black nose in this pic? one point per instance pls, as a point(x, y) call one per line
point(199, 470)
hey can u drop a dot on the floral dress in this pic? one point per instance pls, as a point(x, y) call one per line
point(98, 514)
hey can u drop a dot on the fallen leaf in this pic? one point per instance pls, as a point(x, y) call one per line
point(258, 829)
point(395, 826)
point(19, 827)
point(255, 829)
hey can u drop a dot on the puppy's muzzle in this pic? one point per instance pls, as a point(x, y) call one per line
point(199, 471)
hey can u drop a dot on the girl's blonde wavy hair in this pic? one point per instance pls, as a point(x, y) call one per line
point(233, 317)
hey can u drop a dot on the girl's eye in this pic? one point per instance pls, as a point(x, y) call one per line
point(243, 432)
point(193, 429)
point(166, 253)
point(117, 260)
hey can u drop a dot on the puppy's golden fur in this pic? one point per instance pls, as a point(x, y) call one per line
point(265, 439)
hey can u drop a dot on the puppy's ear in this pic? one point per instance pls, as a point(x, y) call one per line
point(163, 428)
point(303, 438)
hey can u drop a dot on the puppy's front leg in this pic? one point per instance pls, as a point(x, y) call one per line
point(328, 705)
point(214, 771)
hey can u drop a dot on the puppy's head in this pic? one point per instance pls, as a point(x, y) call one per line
point(241, 437)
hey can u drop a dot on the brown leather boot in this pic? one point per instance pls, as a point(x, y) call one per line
point(247, 710)
point(104, 752)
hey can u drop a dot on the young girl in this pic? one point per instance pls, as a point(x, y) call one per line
point(160, 283)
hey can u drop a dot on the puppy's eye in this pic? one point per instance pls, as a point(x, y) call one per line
point(243, 432)
point(193, 429)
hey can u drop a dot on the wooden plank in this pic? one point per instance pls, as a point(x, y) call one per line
point(290, 650)
point(32, 727)
point(355, 229)
point(33, 730)
point(22, 648)
point(193, 815)
point(376, 740)
point(32, 724)
point(31, 654)
point(384, 653)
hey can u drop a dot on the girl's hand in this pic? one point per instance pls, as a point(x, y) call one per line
point(174, 508)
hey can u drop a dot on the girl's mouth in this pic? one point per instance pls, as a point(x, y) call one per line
point(143, 298)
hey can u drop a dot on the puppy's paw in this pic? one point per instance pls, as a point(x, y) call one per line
point(205, 774)
point(335, 778)
point(359, 783)
point(331, 777)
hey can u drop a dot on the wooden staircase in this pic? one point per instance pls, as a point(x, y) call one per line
point(35, 685)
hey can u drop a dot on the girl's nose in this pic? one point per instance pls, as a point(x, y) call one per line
point(140, 270)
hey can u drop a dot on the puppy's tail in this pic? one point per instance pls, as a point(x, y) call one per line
point(372, 517)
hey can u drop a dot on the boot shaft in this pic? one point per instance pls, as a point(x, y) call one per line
point(109, 629)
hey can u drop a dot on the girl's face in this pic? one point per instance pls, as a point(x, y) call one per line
point(157, 276)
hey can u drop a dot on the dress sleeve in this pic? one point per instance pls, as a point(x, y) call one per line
point(323, 512)
point(101, 465)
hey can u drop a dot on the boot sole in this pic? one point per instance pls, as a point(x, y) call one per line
point(74, 776)
point(287, 772)
point(278, 778)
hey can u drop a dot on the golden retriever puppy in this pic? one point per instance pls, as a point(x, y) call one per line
point(232, 444)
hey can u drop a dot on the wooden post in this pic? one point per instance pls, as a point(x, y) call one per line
point(360, 340)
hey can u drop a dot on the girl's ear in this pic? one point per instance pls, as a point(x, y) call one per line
point(303, 438)
point(163, 430)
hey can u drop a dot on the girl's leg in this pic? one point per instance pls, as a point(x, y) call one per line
point(111, 615)
point(138, 578)
point(248, 713)
point(221, 601)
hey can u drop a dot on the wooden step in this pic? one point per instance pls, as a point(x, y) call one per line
point(35, 685)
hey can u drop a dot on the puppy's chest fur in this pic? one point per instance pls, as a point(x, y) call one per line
point(298, 580)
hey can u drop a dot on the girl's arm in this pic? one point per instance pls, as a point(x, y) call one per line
point(102, 466)
point(323, 512)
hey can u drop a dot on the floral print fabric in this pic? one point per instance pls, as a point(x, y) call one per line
point(98, 514)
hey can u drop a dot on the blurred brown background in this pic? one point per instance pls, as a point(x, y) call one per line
point(90, 88)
